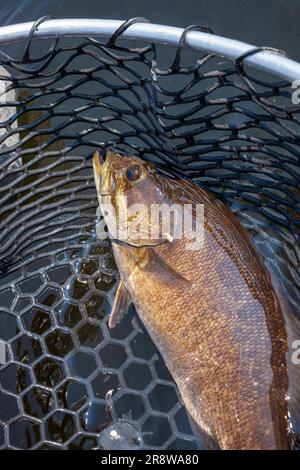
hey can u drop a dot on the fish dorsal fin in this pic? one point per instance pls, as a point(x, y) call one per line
point(239, 246)
point(121, 304)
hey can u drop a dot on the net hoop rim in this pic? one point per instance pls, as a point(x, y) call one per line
point(264, 60)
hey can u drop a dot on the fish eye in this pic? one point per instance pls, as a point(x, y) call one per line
point(134, 172)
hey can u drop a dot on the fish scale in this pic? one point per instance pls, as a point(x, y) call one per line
point(203, 352)
point(223, 336)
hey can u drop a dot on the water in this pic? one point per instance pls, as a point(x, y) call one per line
point(122, 435)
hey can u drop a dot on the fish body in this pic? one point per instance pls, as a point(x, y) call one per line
point(213, 313)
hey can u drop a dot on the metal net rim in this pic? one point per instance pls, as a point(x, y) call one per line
point(261, 58)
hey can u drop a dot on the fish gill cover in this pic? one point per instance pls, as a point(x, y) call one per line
point(66, 380)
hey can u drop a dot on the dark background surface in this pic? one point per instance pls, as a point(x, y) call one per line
point(260, 22)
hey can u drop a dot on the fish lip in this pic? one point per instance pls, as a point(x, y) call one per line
point(111, 188)
point(107, 179)
point(102, 164)
point(116, 150)
point(102, 154)
point(98, 161)
point(106, 193)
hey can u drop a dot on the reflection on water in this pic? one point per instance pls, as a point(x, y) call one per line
point(24, 10)
point(121, 435)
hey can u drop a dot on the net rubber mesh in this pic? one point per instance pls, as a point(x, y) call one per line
point(66, 380)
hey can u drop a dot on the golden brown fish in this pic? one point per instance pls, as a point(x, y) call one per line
point(213, 313)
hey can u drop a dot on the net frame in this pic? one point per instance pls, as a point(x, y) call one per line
point(57, 279)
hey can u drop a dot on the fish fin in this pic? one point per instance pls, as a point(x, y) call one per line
point(204, 440)
point(120, 307)
point(151, 261)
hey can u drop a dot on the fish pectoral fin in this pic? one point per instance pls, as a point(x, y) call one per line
point(204, 440)
point(151, 261)
point(120, 306)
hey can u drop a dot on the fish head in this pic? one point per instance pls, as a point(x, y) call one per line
point(128, 189)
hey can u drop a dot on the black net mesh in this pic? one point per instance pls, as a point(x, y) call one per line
point(66, 381)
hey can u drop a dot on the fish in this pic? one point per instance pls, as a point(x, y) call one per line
point(214, 313)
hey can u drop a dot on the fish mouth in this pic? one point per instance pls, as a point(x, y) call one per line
point(102, 163)
point(98, 162)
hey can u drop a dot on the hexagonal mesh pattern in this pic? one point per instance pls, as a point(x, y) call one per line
point(66, 380)
point(66, 376)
